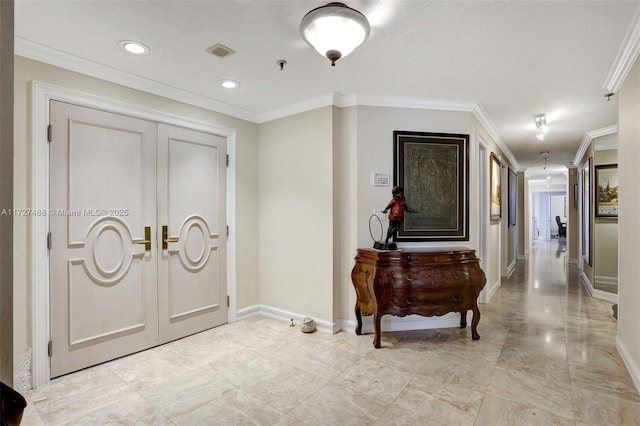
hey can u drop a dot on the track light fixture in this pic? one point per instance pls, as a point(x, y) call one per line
point(541, 125)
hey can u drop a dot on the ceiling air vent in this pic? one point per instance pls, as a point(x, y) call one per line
point(220, 50)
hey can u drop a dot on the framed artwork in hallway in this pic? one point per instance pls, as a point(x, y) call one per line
point(495, 183)
point(587, 222)
point(513, 198)
point(433, 169)
point(606, 190)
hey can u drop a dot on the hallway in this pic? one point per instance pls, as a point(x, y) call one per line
point(546, 356)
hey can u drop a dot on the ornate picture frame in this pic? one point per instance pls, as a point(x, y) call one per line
point(433, 169)
point(495, 187)
point(606, 190)
point(513, 198)
point(587, 222)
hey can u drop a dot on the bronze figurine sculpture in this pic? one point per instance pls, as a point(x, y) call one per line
point(396, 208)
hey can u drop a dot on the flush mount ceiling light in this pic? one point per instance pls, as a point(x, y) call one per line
point(134, 47)
point(334, 30)
point(229, 84)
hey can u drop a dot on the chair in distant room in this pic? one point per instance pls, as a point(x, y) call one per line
point(562, 228)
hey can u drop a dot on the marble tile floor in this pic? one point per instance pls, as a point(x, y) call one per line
point(546, 357)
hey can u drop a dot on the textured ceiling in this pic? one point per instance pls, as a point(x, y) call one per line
point(515, 59)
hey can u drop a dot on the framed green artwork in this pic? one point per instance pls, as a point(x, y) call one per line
point(433, 169)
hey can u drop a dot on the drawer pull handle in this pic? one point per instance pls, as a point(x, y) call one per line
point(456, 298)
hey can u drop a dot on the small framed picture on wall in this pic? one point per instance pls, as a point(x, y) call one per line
point(495, 173)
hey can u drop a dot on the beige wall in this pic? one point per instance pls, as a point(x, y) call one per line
point(374, 133)
point(498, 234)
point(629, 226)
point(296, 213)
point(246, 180)
point(6, 191)
point(375, 154)
point(304, 193)
point(345, 210)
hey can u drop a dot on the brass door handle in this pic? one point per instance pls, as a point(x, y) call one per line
point(166, 238)
point(147, 239)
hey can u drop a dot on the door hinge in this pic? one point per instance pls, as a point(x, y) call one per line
point(227, 160)
point(227, 301)
point(48, 240)
point(227, 230)
point(49, 133)
point(50, 348)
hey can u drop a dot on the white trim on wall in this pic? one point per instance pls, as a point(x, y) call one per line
point(286, 317)
point(511, 268)
point(410, 322)
point(482, 221)
point(42, 94)
point(588, 137)
point(387, 323)
point(47, 55)
point(604, 295)
point(626, 56)
point(627, 358)
point(587, 284)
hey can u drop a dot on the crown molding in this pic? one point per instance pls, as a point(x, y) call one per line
point(406, 102)
point(588, 137)
point(436, 105)
point(329, 99)
point(486, 123)
point(626, 57)
point(38, 52)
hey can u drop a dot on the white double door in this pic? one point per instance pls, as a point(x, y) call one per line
point(138, 235)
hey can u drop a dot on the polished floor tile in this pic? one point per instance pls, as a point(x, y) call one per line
point(546, 356)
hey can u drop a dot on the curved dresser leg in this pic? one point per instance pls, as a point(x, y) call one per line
point(474, 323)
point(463, 319)
point(376, 328)
point(359, 319)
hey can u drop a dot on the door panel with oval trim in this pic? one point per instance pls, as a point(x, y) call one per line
point(191, 208)
point(114, 181)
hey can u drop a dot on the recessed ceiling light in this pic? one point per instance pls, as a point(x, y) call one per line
point(229, 84)
point(134, 47)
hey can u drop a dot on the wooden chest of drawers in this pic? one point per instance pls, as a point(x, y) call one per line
point(419, 281)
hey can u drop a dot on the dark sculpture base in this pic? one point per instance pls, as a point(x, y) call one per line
point(379, 245)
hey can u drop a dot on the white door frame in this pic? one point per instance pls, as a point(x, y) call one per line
point(483, 209)
point(42, 93)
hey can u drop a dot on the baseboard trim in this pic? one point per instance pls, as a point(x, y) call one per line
point(627, 359)
point(410, 322)
point(587, 284)
point(387, 323)
point(286, 316)
point(606, 280)
point(511, 268)
point(492, 290)
point(604, 295)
